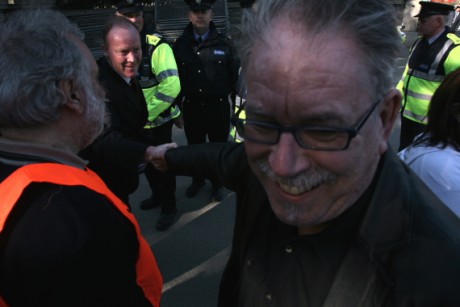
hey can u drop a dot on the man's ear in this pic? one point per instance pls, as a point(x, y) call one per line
point(73, 96)
point(437, 20)
point(388, 113)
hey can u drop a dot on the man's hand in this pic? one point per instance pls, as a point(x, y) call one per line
point(156, 155)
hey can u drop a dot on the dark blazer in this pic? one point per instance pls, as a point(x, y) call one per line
point(119, 150)
point(405, 253)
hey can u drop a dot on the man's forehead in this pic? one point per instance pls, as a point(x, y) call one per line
point(321, 76)
point(124, 32)
point(288, 52)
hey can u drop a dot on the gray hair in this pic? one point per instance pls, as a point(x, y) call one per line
point(371, 22)
point(36, 54)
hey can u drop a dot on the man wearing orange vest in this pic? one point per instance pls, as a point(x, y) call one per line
point(65, 238)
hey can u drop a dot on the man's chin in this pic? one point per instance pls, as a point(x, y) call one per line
point(130, 72)
point(305, 222)
point(289, 214)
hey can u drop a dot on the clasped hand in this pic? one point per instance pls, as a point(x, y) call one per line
point(156, 155)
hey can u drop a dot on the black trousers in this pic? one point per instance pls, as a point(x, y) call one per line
point(207, 119)
point(409, 130)
point(163, 184)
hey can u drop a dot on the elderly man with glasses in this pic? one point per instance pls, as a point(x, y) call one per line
point(327, 215)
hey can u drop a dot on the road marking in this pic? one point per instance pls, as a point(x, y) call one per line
point(210, 266)
point(184, 219)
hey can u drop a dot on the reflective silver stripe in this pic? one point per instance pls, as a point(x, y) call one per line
point(167, 73)
point(418, 95)
point(439, 56)
point(160, 121)
point(422, 119)
point(431, 74)
point(165, 98)
point(428, 77)
point(163, 120)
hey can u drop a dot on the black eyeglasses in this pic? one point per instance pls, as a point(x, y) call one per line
point(308, 137)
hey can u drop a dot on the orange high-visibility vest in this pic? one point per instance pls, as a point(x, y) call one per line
point(149, 277)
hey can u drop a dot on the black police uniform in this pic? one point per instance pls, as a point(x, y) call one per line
point(208, 72)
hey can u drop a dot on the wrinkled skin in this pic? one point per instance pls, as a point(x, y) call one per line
point(304, 79)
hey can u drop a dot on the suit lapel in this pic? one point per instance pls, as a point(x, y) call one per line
point(362, 279)
point(130, 102)
point(357, 282)
point(136, 100)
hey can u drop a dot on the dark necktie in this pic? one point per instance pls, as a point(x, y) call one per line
point(134, 84)
point(200, 40)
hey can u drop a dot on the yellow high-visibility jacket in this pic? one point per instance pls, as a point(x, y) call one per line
point(426, 69)
point(160, 83)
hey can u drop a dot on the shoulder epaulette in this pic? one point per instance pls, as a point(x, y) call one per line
point(152, 39)
point(453, 37)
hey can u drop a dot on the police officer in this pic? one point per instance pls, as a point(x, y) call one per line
point(160, 84)
point(208, 70)
point(434, 54)
point(133, 10)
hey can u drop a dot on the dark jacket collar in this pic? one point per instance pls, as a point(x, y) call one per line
point(390, 205)
point(105, 69)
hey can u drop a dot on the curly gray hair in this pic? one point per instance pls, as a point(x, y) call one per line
point(36, 54)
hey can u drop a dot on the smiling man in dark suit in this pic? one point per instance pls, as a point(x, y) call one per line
point(118, 152)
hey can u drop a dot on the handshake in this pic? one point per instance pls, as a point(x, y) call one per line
point(156, 155)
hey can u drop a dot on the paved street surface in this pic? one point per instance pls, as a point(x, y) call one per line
point(193, 252)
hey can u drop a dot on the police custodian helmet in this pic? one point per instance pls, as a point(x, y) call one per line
point(433, 8)
point(129, 6)
point(200, 5)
